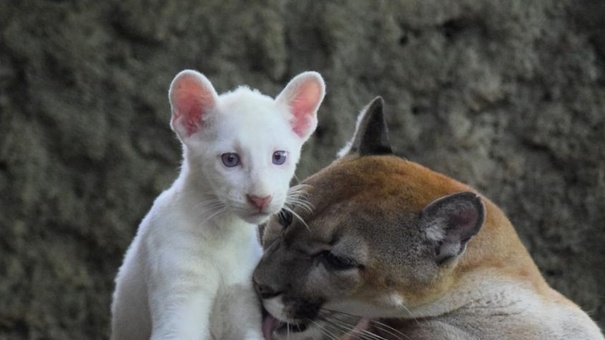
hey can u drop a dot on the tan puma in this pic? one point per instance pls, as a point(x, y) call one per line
point(407, 253)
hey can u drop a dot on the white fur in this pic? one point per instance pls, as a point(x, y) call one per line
point(187, 273)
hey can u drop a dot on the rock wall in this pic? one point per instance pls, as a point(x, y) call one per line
point(508, 96)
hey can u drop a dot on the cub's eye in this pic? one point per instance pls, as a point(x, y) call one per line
point(279, 157)
point(284, 217)
point(230, 159)
point(336, 262)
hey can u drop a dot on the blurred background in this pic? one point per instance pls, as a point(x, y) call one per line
point(508, 96)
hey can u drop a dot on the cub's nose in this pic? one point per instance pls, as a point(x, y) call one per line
point(265, 292)
point(259, 202)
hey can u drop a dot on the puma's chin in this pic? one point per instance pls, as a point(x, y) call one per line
point(275, 329)
point(276, 325)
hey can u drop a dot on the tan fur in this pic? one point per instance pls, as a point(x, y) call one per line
point(370, 206)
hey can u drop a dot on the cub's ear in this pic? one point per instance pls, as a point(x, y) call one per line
point(191, 97)
point(371, 135)
point(451, 221)
point(302, 97)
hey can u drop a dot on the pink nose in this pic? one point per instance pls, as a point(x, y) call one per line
point(259, 202)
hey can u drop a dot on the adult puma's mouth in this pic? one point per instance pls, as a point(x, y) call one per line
point(272, 325)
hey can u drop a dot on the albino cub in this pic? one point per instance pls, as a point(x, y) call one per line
point(187, 273)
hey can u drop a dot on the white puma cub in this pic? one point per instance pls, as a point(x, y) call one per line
point(187, 273)
point(411, 253)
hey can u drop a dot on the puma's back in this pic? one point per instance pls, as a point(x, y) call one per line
point(394, 249)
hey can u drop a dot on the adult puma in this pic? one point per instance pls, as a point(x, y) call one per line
point(409, 253)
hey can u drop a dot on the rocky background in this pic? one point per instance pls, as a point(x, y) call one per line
point(508, 96)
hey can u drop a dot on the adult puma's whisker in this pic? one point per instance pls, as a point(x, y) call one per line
point(388, 329)
point(324, 330)
point(297, 216)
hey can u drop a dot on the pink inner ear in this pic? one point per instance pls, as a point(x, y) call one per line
point(303, 105)
point(189, 110)
point(465, 217)
point(191, 100)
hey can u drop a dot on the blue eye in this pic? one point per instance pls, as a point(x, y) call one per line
point(279, 157)
point(230, 159)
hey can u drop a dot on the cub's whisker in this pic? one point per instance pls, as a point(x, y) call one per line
point(216, 213)
point(210, 204)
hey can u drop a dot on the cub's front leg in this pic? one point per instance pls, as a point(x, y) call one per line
point(181, 297)
point(237, 315)
point(253, 318)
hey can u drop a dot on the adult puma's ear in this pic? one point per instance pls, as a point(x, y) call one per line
point(191, 97)
point(451, 221)
point(302, 96)
point(371, 135)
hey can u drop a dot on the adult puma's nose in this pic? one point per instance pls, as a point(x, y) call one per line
point(265, 292)
point(259, 202)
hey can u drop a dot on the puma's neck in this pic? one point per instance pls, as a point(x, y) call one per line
point(500, 247)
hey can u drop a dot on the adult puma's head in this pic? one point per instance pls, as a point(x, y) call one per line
point(386, 238)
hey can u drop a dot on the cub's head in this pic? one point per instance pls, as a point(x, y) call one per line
point(383, 240)
point(241, 148)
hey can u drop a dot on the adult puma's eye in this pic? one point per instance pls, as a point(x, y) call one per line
point(230, 159)
point(284, 217)
point(279, 157)
point(336, 262)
